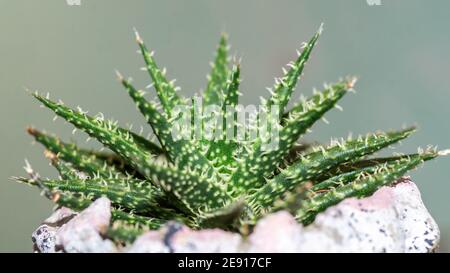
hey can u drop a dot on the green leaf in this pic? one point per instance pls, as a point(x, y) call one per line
point(65, 170)
point(315, 163)
point(294, 200)
point(298, 149)
point(124, 234)
point(166, 90)
point(107, 132)
point(182, 152)
point(219, 74)
point(127, 227)
point(366, 186)
point(350, 171)
point(135, 195)
point(136, 220)
point(70, 200)
point(145, 143)
point(285, 85)
point(224, 217)
point(222, 149)
point(261, 162)
point(197, 193)
point(81, 160)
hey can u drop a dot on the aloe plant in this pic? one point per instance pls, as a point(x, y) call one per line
point(218, 182)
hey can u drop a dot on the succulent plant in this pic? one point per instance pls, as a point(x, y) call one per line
point(221, 182)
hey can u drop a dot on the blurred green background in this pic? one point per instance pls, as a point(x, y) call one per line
point(399, 50)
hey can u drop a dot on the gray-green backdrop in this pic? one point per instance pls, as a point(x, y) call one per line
point(400, 50)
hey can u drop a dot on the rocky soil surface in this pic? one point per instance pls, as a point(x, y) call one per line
point(394, 219)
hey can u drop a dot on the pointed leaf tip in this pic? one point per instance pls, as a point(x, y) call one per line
point(224, 35)
point(119, 76)
point(32, 131)
point(320, 28)
point(137, 36)
point(351, 81)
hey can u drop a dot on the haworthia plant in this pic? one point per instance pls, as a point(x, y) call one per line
point(226, 181)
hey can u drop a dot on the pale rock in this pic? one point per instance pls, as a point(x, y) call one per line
point(149, 242)
point(207, 240)
point(60, 217)
point(44, 237)
point(278, 232)
point(83, 232)
point(394, 219)
point(177, 238)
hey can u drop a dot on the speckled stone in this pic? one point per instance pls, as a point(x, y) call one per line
point(149, 242)
point(177, 238)
point(83, 232)
point(394, 219)
point(278, 232)
point(44, 239)
point(209, 240)
point(67, 231)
